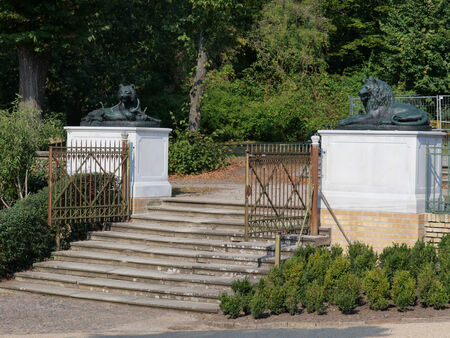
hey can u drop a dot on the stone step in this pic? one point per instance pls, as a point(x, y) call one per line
point(108, 297)
point(204, 212)
point(178, 231)
point(254, 247)
point(198, 294)
point(203, 203)
point(176, 220)
point(162, 265)
point(174, 254)
point(136, 275)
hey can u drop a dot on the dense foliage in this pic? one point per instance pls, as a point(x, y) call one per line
point(315, 278)
point(276, 69)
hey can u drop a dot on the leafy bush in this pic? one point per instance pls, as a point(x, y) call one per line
point(395, 258)
point(258, 305)
point(403, 290)
point(275, 277)
point(230, 305)
point(293, 269)
point(421, 254)
point(444, 261)
point(243, 288)
point(317, 266)
point(22, 133)
point(339, 267)
point(336, 251)
point(304, 252)
point(362, 258)
point(376, 286)
point(276, 301)
point(431, 290)
point(25, 236)
point(347, 292)
point(193, 152)
point(314, 298)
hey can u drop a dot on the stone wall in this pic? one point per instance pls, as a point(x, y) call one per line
point(436, 226)
point(378, 229)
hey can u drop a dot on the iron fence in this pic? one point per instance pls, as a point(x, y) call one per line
point(278, 190)
point(88, 183)
point(437, 198)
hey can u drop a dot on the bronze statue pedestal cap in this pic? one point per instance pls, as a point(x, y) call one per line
point(127, 113)
point(383, 112)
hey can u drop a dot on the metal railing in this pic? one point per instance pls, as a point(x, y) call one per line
point(278, 194)
point(437, 198)
point(437, 107)
point(88, 183)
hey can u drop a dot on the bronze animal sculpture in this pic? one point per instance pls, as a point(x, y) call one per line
point(127, 113)
point(383, 112)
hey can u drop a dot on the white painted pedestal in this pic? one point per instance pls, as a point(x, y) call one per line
point(375, 181)
point(148, 161)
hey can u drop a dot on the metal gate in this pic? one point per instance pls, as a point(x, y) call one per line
point(88, 183)
point(278, 194)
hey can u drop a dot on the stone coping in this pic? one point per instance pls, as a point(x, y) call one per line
point(383, 132)
point(131, 129)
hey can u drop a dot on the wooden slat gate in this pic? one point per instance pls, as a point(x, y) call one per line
point(88, 183)
point(278, 190)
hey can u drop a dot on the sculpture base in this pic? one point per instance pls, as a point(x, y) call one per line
point(384, 127)
point(147, 124)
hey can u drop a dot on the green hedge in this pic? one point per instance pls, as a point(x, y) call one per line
point(316, 277)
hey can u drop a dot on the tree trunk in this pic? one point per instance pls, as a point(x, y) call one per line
point(33, 69)
point(198, 87)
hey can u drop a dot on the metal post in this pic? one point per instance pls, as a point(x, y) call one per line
point(247, 190)
point(315, 185)
point(277, 250)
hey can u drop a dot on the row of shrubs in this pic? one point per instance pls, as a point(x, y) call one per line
point(315, 277)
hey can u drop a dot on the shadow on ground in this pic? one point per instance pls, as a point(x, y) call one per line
point(354, 331)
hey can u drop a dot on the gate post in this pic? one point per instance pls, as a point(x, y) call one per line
point(315, 185)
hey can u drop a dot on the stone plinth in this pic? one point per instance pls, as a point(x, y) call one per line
point(149, 148)
point(376, 182)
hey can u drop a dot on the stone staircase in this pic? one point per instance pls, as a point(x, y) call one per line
point(180, 255)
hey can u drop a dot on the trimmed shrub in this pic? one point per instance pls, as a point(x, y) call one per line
point(243, 288)
point(230, 305)
point(275, 277)
point(314, 298)
point(305, 252)
point(276, 301)
point(258, 305)
point(403, 290)
point(421, 254)
point(336, 251)
point(424, 283)
point(292, 299)
point(376, 286)
point(437, 296)
point(317, 266)
point(395, 258)
point(25, 236)
point(362, 258)
point(339, 267)
point(293, 269)
point(193, 152)
point(347, 292)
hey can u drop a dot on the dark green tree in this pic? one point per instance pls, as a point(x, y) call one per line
point(37, 28)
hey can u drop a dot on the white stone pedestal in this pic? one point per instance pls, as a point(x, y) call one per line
point(376, 170)
point(149, 156)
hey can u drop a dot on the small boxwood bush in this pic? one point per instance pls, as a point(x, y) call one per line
point(339, 267)
point(346, 292)
point(395, 258)
point(431, 290)
point(362, 258)
point(276, 301)
point(376, 286)
point(292, 299)
point(422, 254)
point(258, 305)
point(403, 290)
point(314, 298)
point(437, 296)
point(444, 261)
point(230, 305)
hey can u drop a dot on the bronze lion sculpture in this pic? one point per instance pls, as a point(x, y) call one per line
point(383, 112)
point(126, 113)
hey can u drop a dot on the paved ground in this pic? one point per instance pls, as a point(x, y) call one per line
point(24, 314)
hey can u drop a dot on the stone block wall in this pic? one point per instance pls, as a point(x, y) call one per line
point(436, 226)
point(378, 229)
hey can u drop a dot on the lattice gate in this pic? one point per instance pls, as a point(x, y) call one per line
point(88, 183)
point(278, 196)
